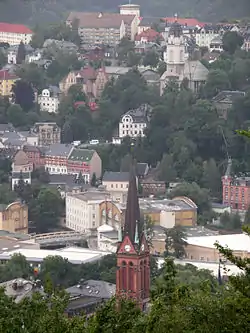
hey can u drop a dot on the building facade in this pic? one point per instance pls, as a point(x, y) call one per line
point(133, 255)
point(48, 133)
point(7, 80)
point(134, 122)
point(48, 100)
point(236, 190)
point(117, 184)
point(13, 34)
point(14, 217)
point(84, 161)
point(206, 34)
point(82, 210)
point(56, 158)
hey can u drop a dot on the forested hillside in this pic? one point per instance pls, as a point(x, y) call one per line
point(31, 12)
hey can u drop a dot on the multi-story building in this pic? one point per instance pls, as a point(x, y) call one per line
point(216, 44)
point(48, 100)
point(36, 155)
point(116, 183)
point(236, 190)
point(21, 169)
point(14, 217)
point(106, 28)
point(134, 122)
point(82, 210)
point(13, 34)
point(84, 161)
point(7, 79)
point(56, 158)
point(48, 133)
point(91, 80)
point(206, 34)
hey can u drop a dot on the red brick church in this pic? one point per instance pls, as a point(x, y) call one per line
point(133, 255)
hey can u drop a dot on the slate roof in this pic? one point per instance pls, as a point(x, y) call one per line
point(93, 288)
point(81, 155)
point(229, 94)
point(110, 176)
point(59, 149)
point(25, 175)
point(6, 127)
point(149, 21)
point(194, 70)
point(139, 115)
point(141, 169)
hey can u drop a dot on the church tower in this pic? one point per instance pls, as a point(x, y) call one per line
point(133, 255)
point(174, 56)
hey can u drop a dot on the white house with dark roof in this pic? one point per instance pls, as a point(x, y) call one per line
point(134, 122)
point(48, 100)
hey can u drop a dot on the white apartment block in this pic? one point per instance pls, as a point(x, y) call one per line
point(205, 35)
point(83, 210)
point(48, 100)
point(13, 34)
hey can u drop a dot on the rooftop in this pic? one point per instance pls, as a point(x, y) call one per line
point(7, 75)
point(100, 20)
point(236, 242)
point(14, 28)
point(81, 155)
point(176, 204)
point(98, 289)
point(74, 255)
point(59, 149)
point(110, 176)
point(230, 95)
point(90, 195)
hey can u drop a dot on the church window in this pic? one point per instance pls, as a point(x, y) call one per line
point(131, 277)
point(123, 276)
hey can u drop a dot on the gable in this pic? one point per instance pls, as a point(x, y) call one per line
point(126, 247)
point(144, 248)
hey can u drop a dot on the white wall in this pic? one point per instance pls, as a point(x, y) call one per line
point(167, 219)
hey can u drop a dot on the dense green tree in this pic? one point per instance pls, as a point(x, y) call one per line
point(23, 94)
point(175, 242)
point(151, 59)
point(166, 169)
point(133, 59)
point(211, 178)
point(217, 80)
point(247, 216)
point(124, 47)
point(16, 115)
point(21, 53)
point(232, 40)
point(3, 59)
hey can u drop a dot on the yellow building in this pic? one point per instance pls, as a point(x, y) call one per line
point(7, 80)
point(14, 217)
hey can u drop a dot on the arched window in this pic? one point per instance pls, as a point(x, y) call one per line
point(131, 277)
point(123, 276)
point(142, 275)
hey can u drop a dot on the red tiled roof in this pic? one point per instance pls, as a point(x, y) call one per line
point(14, 28)
point(92, 105)
point(6, 75)
point(150, 34)
point(189, 22)
point(87, 73)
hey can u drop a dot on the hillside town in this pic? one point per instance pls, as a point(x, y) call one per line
point(124, 167)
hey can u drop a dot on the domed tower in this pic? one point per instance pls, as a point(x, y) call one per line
point(174, 54)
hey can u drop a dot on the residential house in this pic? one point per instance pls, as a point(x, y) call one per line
point(13, 34)
point(48, 133)
point(36, 155)
point(216, 44)
point(21, 168)
point(107, 238)
point(82, 210)
point(84, 161)
point(48, 100)
point(67, 184)
point(142, 170)
point(148, 22)
point(56, 158)
point(92, 81)
point(224, 100)
point(14, 217)
point(151, 76)
point(152, 187)
point(12, 53)
point(148, 36)
point(7, 79)
point(116, 183)
point(206, 34)
point(29, 137)
point(134, 122)
point(13, 140)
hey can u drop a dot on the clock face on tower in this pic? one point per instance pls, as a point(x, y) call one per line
point(127, 248)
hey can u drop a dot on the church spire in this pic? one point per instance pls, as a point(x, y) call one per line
point(132, 215)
